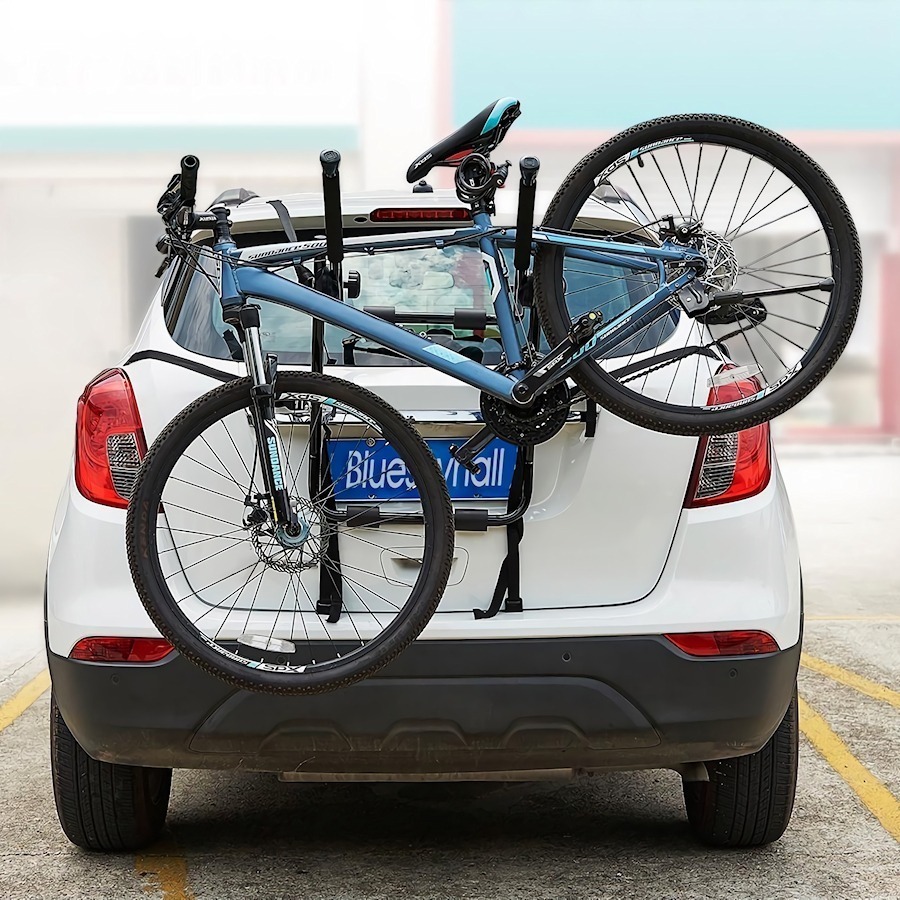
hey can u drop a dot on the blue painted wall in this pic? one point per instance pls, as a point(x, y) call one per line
point(789, 64)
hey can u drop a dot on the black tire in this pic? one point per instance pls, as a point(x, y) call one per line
point(103, 806)
point(345, 668)
point(748, 800)
point(824, 199)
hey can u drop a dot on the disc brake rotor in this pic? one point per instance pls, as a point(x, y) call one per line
point(722, 264)
point(283, 552)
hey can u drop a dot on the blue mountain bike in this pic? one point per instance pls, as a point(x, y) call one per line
point(696, 274)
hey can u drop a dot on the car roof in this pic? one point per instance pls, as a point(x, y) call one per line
point(307, 211)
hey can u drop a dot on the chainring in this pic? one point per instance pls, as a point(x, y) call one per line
point(528, 425)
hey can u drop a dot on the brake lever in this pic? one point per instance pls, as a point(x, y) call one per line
point(168, 204)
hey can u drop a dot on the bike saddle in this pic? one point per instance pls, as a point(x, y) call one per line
point(479, 135)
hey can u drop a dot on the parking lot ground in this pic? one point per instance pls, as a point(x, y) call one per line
point(621, 835)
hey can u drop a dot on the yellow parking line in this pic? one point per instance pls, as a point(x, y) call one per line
point(874, 795)
point(14, 707)
point(870, 688)
point(164, 871)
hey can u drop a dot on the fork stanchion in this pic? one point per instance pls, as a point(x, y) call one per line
point(528, 171)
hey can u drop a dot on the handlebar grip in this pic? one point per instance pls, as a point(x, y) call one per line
point(189, 166)
point(330, 160)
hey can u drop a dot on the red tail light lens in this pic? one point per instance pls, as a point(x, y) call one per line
point(724, 643)
point(447, 214)
point(730, 467)
point(121, 649)
point(109, 440)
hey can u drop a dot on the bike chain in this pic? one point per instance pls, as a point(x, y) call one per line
point(646, 372)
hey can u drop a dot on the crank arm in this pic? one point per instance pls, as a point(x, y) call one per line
point(559, 360)
point(465, 455)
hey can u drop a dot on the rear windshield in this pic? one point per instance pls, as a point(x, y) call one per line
point(427, 281)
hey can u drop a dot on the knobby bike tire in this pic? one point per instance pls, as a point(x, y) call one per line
point(838, 226)
point(174, 626)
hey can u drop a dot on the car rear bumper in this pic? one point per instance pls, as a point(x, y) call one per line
point(477, 706)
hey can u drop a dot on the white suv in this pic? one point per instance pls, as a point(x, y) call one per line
point(660, 583)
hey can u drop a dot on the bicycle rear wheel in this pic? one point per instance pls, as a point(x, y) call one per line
point(261, 609)
point(766, 218)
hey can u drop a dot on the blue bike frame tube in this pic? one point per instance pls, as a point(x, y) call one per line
point(668, 252)
point(613, 259)
point(510, 335)
point(624, 254)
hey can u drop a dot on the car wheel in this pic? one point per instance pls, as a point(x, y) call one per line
point(104, 806)
point(748, 800)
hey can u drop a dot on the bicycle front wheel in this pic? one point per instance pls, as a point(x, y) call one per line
point(779, 244)
point(275, 612)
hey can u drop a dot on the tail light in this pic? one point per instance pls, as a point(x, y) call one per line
point(436, 214)
point(735, 466)
point(121, 649)
point(109, 440)
point(724, 643)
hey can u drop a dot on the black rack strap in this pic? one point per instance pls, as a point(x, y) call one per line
point(331, 587)
point(590, 418)
point(508, 581)
point(285, 219)
point(304, 276)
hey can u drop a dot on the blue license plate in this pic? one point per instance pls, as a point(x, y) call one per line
point(372, 470)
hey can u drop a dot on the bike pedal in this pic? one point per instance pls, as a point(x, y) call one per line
point(464, 460)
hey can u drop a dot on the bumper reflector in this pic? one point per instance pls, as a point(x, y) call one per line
point(724, 643)
point(121, 649)
point(262, 642)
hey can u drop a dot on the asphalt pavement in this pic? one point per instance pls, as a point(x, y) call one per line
point(621, 835)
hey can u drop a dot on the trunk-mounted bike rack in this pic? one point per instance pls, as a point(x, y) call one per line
point(328, 279)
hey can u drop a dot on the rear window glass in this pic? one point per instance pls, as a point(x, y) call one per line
point(426, 281)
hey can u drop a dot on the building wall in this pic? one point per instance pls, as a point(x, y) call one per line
point(83, 160)
point(85, 155)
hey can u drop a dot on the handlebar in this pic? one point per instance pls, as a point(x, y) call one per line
point(180, 192)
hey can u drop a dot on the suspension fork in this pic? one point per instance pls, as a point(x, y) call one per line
point(269, 446)
point(244, 318)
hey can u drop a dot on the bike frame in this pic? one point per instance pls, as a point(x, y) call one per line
point(242, 281)
point(244, 276)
